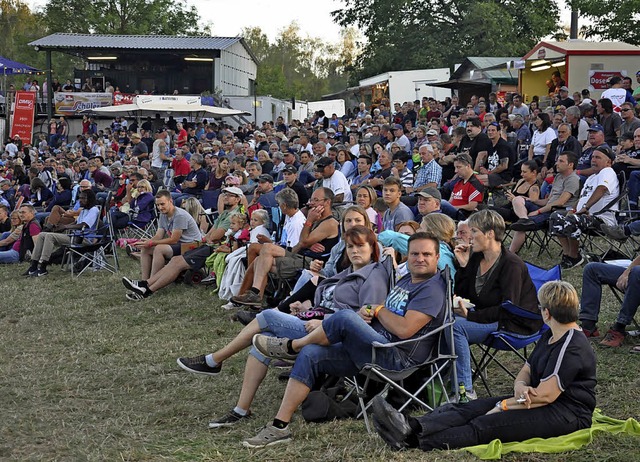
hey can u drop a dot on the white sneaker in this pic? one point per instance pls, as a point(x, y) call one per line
point(229, 306)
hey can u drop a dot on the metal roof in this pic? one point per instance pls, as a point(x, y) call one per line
point(137, 42)
point(495, 68)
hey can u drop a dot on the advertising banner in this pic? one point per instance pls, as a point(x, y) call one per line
point(598, 80)
point(23, 112)
point(123, 98)
point(68, 104)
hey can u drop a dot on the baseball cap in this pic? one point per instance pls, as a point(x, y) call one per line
point(398, 127)
point(233, 190)
point(289, 169)
point(596, 128)
point(430, 193)
point(606, 150)
point(564, 89)
point(432, 132)
point(323, 162)
point(265, 178)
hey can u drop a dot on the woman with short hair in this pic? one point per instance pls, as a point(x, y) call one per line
point(553, 394)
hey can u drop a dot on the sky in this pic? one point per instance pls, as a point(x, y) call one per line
point(271, 16)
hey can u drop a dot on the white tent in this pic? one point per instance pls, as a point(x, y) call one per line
point(164, 105)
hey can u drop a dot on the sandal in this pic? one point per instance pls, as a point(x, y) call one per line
point(635, 349)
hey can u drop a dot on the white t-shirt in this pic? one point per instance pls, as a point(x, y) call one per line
point(617, 97)
point(607, 177)
point(540, 141)
point(292, 229)
point(11, 149)
point(339, 185)
point(258, 230)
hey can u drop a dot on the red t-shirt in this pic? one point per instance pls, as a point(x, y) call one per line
point(182, 138)
point(463, 193)
point(181, 167)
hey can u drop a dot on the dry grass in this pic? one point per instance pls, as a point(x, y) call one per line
point(87, 375)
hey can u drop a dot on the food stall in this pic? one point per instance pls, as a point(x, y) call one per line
point(582, 65)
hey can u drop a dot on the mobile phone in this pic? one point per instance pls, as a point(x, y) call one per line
point(126, 181)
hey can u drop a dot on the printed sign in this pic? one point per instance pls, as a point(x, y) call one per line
point(123, 98)
point(68, 104)
point(599, 80)
point(23, 112)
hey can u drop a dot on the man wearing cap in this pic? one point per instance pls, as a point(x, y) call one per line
point(596, 138)
point(334, 180)
point(563, 97)
point(430, 174)
point(400, 138)
point(264, 193)
point(193, 259)
point(429, 200)
point(598, 191)
point(290, 175)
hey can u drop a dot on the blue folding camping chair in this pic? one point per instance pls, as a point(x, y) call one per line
point(502, 340)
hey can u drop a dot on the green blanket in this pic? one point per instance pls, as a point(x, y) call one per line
point(575, 440)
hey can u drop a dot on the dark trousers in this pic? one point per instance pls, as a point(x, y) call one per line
point(460, 425)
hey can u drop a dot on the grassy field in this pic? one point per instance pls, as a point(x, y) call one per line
point(88, 375)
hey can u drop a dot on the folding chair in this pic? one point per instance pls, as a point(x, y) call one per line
point(436, 369)
point(142, 231)
point(502, 340)
point(100, 251)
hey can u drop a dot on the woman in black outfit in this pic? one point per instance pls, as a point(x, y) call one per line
point(553, 394)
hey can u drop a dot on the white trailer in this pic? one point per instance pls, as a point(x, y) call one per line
point(401, 86)
point(332, 106)
point(267, 108)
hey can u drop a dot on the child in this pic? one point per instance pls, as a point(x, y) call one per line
point(237, 236)
point(259, 225)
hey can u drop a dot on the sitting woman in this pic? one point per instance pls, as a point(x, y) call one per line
point(553, 394)
point(197, 212)
point(363, 282)
point(488, 276)
point(140, 210)
point(527, 188)
point(365, 197)
point(40, 194)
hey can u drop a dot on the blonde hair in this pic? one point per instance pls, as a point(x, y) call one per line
point(144, 184)
point(238, 216)
point(193, 208)
point(261, 215)
point(441, 226)
point(561, 300)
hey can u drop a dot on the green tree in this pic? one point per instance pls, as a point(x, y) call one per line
point(136, 17)
point(304, 68)
point(609, 19)
point(413, 34)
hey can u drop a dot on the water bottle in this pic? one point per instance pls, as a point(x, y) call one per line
point(490, 201)
point(462, 392)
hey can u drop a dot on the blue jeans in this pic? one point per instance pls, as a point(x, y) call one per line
point(9, 256)
point(466, 333)
point(537, 219)
point(634, 187)
point(597, 274)
point(179, 197)
point(351, 339)
point(277, 324)
point(3, 236)
point(42, 216)
point(451, 211)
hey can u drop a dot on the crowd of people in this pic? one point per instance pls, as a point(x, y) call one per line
point(357, 217)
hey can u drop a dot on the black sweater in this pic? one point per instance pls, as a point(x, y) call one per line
point(509, 281)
